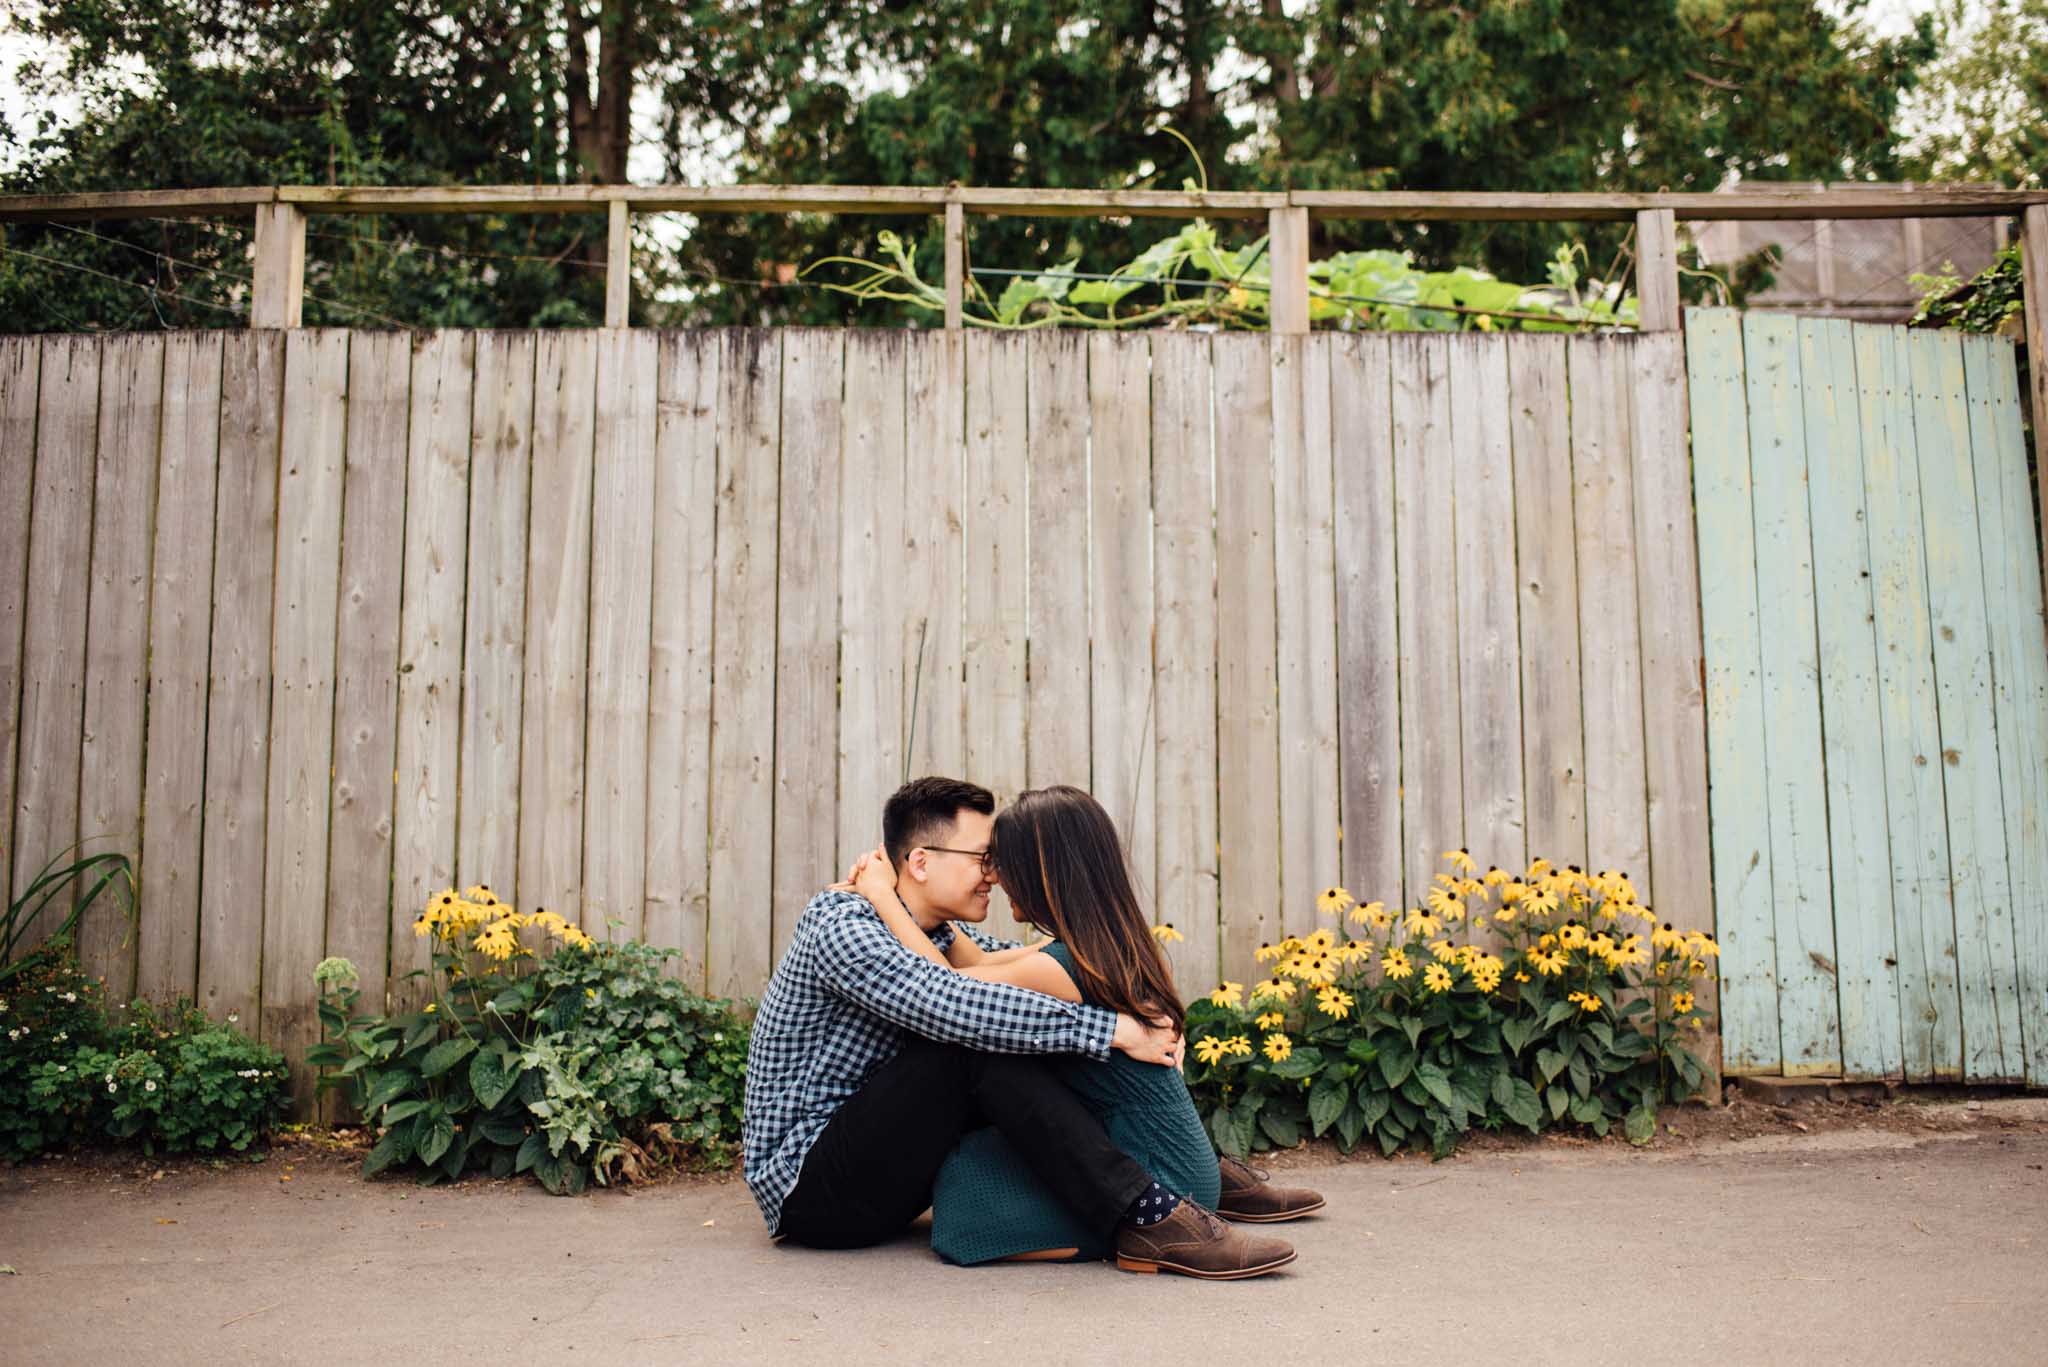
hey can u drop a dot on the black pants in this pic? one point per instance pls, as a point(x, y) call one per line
point(872, 1170)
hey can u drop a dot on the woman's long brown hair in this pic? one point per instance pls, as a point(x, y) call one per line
point(1060, 860)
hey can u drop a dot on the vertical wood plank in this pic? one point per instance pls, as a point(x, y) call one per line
point(53, 629)
point(180, 620)
point(1667, 576)
point(2019, 657)
point(2034, 289)
point(1489, 639)
point(430, 646)
point(1305, 610)
point(1603, 511)
point(117, 643)
point(551, 773)
point(1723, 496)
point(1120, 692)
point(807, 627)
point(360, 915)
point(20, 378)
point(679, 685)
point(935, 413)
point(740, 935)
point(1184, 607)
point(1247, 725)
point(1859, 843)
point(621, 612)
point(1547, 583)
point(998, 375)
point(1924, 927)
point(238, 685)
point(494, 622)
point(1979, 880)
point(1809, 1023)
point(1056, 747)
point(1368, 654)
point(308, 584)
point(871, 759)
point(1432, 817)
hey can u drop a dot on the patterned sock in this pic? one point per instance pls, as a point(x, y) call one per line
point(1154, 1204)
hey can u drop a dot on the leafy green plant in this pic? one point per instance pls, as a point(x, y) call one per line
point(1540, 1010)
point(579, 1063)
point(1191, 278)
point(1983, 303)
point(171, 1080)
point(107, 874)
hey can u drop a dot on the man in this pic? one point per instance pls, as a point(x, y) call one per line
point(868, 1063)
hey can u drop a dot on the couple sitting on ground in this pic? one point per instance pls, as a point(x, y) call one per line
point(1029, 1096)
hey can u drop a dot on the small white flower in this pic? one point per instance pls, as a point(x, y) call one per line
point(63, 1035)
point(71, 996)
point(149, 1086)
point(111, 1087)
point(234, 1016)
point(61, 1068)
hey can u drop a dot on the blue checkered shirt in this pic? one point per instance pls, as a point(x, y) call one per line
point(837, 1009)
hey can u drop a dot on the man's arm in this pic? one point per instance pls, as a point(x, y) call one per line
point(861, 962)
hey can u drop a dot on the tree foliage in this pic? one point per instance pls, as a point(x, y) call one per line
point(1487, 94)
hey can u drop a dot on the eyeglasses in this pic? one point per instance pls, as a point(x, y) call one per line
point(985, 858)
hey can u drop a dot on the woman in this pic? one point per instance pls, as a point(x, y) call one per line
point(1056, 852)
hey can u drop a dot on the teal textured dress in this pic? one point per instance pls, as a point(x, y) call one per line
point(988, 1204)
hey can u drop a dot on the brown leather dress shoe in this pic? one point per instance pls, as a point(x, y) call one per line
point(1195, 1243)
point(1249, 1197)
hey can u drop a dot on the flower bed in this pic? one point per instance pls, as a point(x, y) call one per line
point(1549, 997)
point(574, 1060)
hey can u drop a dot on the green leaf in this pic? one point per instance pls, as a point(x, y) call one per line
point(1280, 1127)
point(1351, 1124)
point(444, 1056)
point(1558, 1099)
point(1558, 1014)
point(1503, 1089)
point(403, 1110)
point(1396, 1060)
point(394, 1147)
point(498, 1130)
point(390, 1086)
point(491, 1076)
point(1586, 1110)
point(1523, 1106)
point(1361, 1050)
point(1438, 1085)
point(1582, 1076)
point(1602, 1031)
point(421, 1033)
point(1244, 1121)
point(1515, 1033)
point(1373, 1106)
point(1303, 1062)
point(531, 1151)
point(1641, 1124)
point(1326, 1101)
point(435, 1138)
point(1550, 1063)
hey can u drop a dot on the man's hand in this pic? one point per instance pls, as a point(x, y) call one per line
point(1146, 1042)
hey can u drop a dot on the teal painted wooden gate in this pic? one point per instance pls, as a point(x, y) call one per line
point(1877, 699)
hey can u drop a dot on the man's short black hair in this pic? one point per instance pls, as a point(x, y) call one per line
point(923, 810)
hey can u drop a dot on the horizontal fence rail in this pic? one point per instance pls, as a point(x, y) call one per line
point(642, 627)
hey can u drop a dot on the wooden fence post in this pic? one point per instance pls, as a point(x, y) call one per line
point(1656, 270)
point(618, 266)
point(956, 263)
point(1287, 241)
point(280, 280)
point(2034, 286)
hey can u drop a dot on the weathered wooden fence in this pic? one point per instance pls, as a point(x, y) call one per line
point(643, 626)
point(1877, 699)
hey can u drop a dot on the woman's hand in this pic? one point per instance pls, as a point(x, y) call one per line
point(872, 876)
